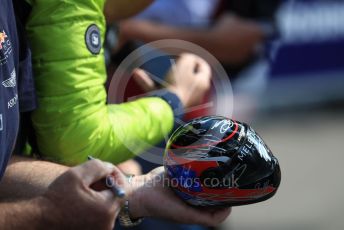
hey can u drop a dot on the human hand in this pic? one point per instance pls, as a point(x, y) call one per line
point(115, 10)
point(234, 39)
point(131, 167)
point(72, 204)
point(189, 79)
point(152, 198)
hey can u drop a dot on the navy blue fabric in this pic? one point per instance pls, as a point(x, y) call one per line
point(260, 11)
point(253, 9)
point(173, 100)
point(16, 85)
point(150, 223)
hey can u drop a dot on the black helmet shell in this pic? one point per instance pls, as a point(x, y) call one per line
point(216, 161)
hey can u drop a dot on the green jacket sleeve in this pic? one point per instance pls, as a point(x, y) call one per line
point(73, 119)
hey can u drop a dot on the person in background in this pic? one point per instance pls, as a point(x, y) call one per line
point(179, 13)
point(234, 37)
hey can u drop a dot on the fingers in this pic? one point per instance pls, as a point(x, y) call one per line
point(131, 167)
point(118, 177)
point(143, 80)
point(92, 171)
point(203, 68)
point(190, 79)
point(195, 65)
point(157, 171)
point(187, 63)
point(110, 200)
point(211, 219)
point(113, 205)
point(193, 215)
point(108, 196)
point(220, 215)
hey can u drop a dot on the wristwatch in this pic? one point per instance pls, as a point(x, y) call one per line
point(124, 215)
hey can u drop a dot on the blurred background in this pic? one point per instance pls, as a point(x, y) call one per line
point(285, 60)
point(301, 116)
point(308, 144)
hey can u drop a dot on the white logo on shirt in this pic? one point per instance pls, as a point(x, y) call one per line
point(1, 126)
point(11, 82)
point(12, 102)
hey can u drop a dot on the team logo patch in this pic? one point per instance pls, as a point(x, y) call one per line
point(5, 47)
point(93, 39)
point(11, 82)
point(3, 37)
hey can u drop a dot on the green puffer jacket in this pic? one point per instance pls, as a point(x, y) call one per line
point(73, 119)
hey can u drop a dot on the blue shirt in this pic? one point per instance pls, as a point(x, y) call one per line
point(16, 84)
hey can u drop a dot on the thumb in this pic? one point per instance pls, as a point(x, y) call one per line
point(92, 171)
point(143, 80)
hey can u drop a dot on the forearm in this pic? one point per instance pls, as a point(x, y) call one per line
point(26, 178)
point(228, 48)
point(23, 215)
point(135, 127)
point(148, 31)
point(120, 9)
point(228, 45)
point(233, 46)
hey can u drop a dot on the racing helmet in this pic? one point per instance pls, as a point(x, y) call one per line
point(216, 161)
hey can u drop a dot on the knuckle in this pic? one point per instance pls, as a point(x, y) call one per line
point(98, 164)
point(201, 61)
point(73, 174)
point(184, 56)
